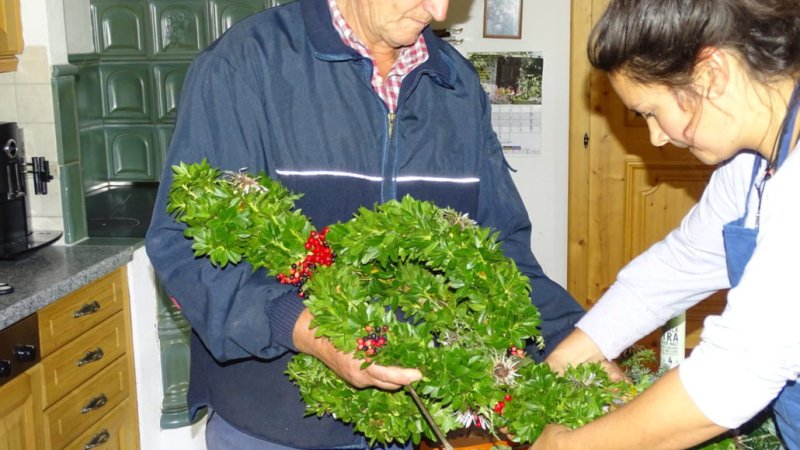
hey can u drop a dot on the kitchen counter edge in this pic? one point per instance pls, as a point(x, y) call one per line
point(48, 274)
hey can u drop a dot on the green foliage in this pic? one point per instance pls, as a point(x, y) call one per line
point(232, 217)
point(451, 303)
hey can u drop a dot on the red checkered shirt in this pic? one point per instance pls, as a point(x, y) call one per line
point(410, 57)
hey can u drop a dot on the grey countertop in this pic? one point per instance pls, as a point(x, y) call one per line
point(45, 275)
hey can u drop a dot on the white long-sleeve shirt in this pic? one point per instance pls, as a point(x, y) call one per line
point(749, 352)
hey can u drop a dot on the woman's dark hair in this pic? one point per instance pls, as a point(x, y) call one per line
point(659, 41)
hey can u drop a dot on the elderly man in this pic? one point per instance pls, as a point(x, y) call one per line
point(351, 103)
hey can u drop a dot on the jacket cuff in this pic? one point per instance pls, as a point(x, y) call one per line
point(283, 313)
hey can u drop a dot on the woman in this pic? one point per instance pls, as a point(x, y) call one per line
point(719, 78)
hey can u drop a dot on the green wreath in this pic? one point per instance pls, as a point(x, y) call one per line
point(413, 285)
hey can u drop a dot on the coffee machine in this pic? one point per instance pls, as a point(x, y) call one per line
point(16, 236)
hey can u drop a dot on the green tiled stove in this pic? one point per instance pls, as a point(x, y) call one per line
point(115, 112)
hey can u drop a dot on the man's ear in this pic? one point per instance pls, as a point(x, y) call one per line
point(712, 72)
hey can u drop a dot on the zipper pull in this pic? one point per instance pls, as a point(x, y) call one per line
point(391, 124)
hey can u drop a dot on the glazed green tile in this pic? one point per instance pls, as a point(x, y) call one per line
point(168, 78)
point(120, 27)
point(163, 139)
point(174, 335)
point(225, 13)
point(179, 27)
point(66, 114)
point(88, 95)
point(93, 157)
point(131, 153)
point(72, 203)
point(126, 91)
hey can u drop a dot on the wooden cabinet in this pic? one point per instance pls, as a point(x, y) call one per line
point(17, 429)
point(84, 386)
point(10, 35)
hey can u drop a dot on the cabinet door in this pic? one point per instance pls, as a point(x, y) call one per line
point(16, 415)
point(10, 34)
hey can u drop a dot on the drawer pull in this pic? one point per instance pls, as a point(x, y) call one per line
point(90, 356)
point(86, 309)
point(97, 440)
point(95, 403)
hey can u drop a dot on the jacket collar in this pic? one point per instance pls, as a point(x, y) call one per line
point(329, 47)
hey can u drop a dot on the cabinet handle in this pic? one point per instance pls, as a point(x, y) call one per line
point(97, 440)
point(95, 403)
point(90, 356)
point(88, 308)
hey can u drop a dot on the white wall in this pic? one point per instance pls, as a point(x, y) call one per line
point(147, 362)
point(542, 180)
point(79, 26)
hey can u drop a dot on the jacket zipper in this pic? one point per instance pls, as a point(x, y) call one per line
point(391, 117)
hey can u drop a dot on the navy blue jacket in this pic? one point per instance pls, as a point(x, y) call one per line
point(280, 92)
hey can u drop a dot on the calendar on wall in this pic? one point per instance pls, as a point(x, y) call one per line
point(513, 83)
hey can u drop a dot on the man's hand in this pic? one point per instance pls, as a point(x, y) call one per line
point(345, 365)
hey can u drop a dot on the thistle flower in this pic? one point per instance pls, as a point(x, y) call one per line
point(589, 380)
point(452, 217)
point(243, 182)
point(505, 369)
point(468, 417)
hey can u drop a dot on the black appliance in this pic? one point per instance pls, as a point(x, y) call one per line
point(19, 348)
point(16, 236)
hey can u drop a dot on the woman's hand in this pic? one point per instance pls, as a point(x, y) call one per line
point(345, 364)
point(578, 348)
point(552, 438)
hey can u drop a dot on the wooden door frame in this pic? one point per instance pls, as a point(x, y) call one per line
point(579, 146)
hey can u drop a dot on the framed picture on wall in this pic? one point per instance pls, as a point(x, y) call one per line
point(502, 19)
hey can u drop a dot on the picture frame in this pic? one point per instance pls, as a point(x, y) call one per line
point(502, 19)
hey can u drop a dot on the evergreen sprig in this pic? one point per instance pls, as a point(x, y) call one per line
point(428, 281)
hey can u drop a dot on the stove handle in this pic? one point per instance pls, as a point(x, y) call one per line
point(25, 353)
point(5, 368)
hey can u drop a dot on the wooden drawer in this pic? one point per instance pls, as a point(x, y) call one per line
point(83, 407)
point(71, 316)
point(76, 362)
point(115, 431)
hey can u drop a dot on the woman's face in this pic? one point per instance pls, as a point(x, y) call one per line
point(692, 122)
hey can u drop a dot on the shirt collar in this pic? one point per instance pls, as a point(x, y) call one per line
point(327, 46)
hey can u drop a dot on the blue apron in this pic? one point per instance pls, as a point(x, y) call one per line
point(740, 242)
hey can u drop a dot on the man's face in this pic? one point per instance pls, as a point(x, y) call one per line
point(397, 23)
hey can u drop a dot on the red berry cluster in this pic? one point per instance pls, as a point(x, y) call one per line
point(514, 351)
point(319, 252)
point(499, 406)
point(372, 342)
